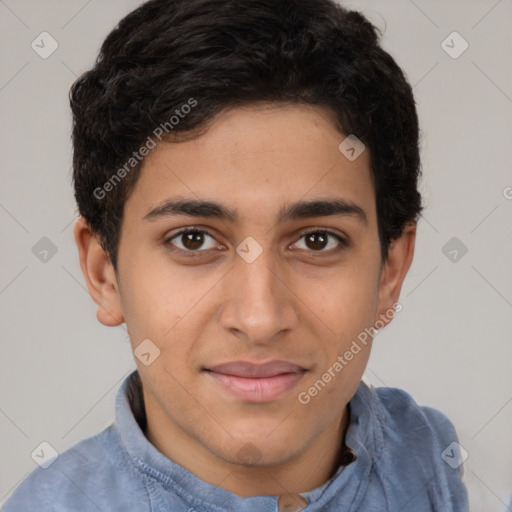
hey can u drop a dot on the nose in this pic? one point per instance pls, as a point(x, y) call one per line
point(258, 305)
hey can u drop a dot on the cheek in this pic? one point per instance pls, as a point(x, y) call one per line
point(344, 300)
point(153, 298)
point(346, 303)
point(168, 311)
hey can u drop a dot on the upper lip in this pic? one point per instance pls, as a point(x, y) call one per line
point(251, 370)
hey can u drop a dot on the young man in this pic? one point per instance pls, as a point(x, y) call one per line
point(246, 173)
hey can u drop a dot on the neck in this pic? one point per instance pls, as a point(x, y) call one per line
point(309, 469)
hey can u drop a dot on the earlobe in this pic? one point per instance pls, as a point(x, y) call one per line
point(394, 270)
point(99, 275)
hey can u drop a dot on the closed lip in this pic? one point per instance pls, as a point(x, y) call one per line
point(256, 371)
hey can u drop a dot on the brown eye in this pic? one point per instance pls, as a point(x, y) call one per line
point(192, 240)
point(317, 241)
point(322, 241)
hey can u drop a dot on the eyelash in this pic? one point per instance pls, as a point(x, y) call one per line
point(197, 253)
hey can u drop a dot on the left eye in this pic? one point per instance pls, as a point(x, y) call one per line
point(319, 240)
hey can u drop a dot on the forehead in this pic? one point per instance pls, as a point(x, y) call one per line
point(257, 159)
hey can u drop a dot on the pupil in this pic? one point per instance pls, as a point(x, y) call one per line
point(193, 240)
point(318, 240)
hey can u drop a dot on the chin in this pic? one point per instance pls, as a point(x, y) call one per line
point(257, 452)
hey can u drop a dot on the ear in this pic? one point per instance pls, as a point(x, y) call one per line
point(395, 268)
point(99, 275)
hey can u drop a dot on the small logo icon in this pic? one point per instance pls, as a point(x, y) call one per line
point(454, 455)
point(249, 454)
point(44, 250)
point(454, 45)
point(146, 352)
point(44, 455)
point(454, 249)
point(351, 147)
point(249, 249)
point(44, 45)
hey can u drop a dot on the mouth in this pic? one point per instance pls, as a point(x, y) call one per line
point(256, 382)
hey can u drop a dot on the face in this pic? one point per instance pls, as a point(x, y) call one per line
point(253, 298)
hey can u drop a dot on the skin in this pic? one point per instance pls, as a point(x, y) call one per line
point(296, 301)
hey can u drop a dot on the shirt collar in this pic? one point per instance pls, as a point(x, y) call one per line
point(364, 437)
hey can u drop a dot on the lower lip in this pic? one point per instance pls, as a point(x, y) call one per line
point(263, 389)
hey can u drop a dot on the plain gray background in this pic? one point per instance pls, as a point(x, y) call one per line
point(450, 346)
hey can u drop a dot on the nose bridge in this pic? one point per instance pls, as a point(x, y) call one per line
point(259, 305)
point(258, 281)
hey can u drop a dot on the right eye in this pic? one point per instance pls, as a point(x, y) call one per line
point(190, 240)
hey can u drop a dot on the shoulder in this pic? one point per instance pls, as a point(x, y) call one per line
point(420, 444)
point(81, 478)
point(401, 416)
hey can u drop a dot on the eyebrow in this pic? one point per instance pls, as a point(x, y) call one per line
point(300, 210)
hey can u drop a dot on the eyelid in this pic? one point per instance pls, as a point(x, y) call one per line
point(343, 240)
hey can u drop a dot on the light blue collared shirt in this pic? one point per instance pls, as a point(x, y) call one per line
point(404, 464)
